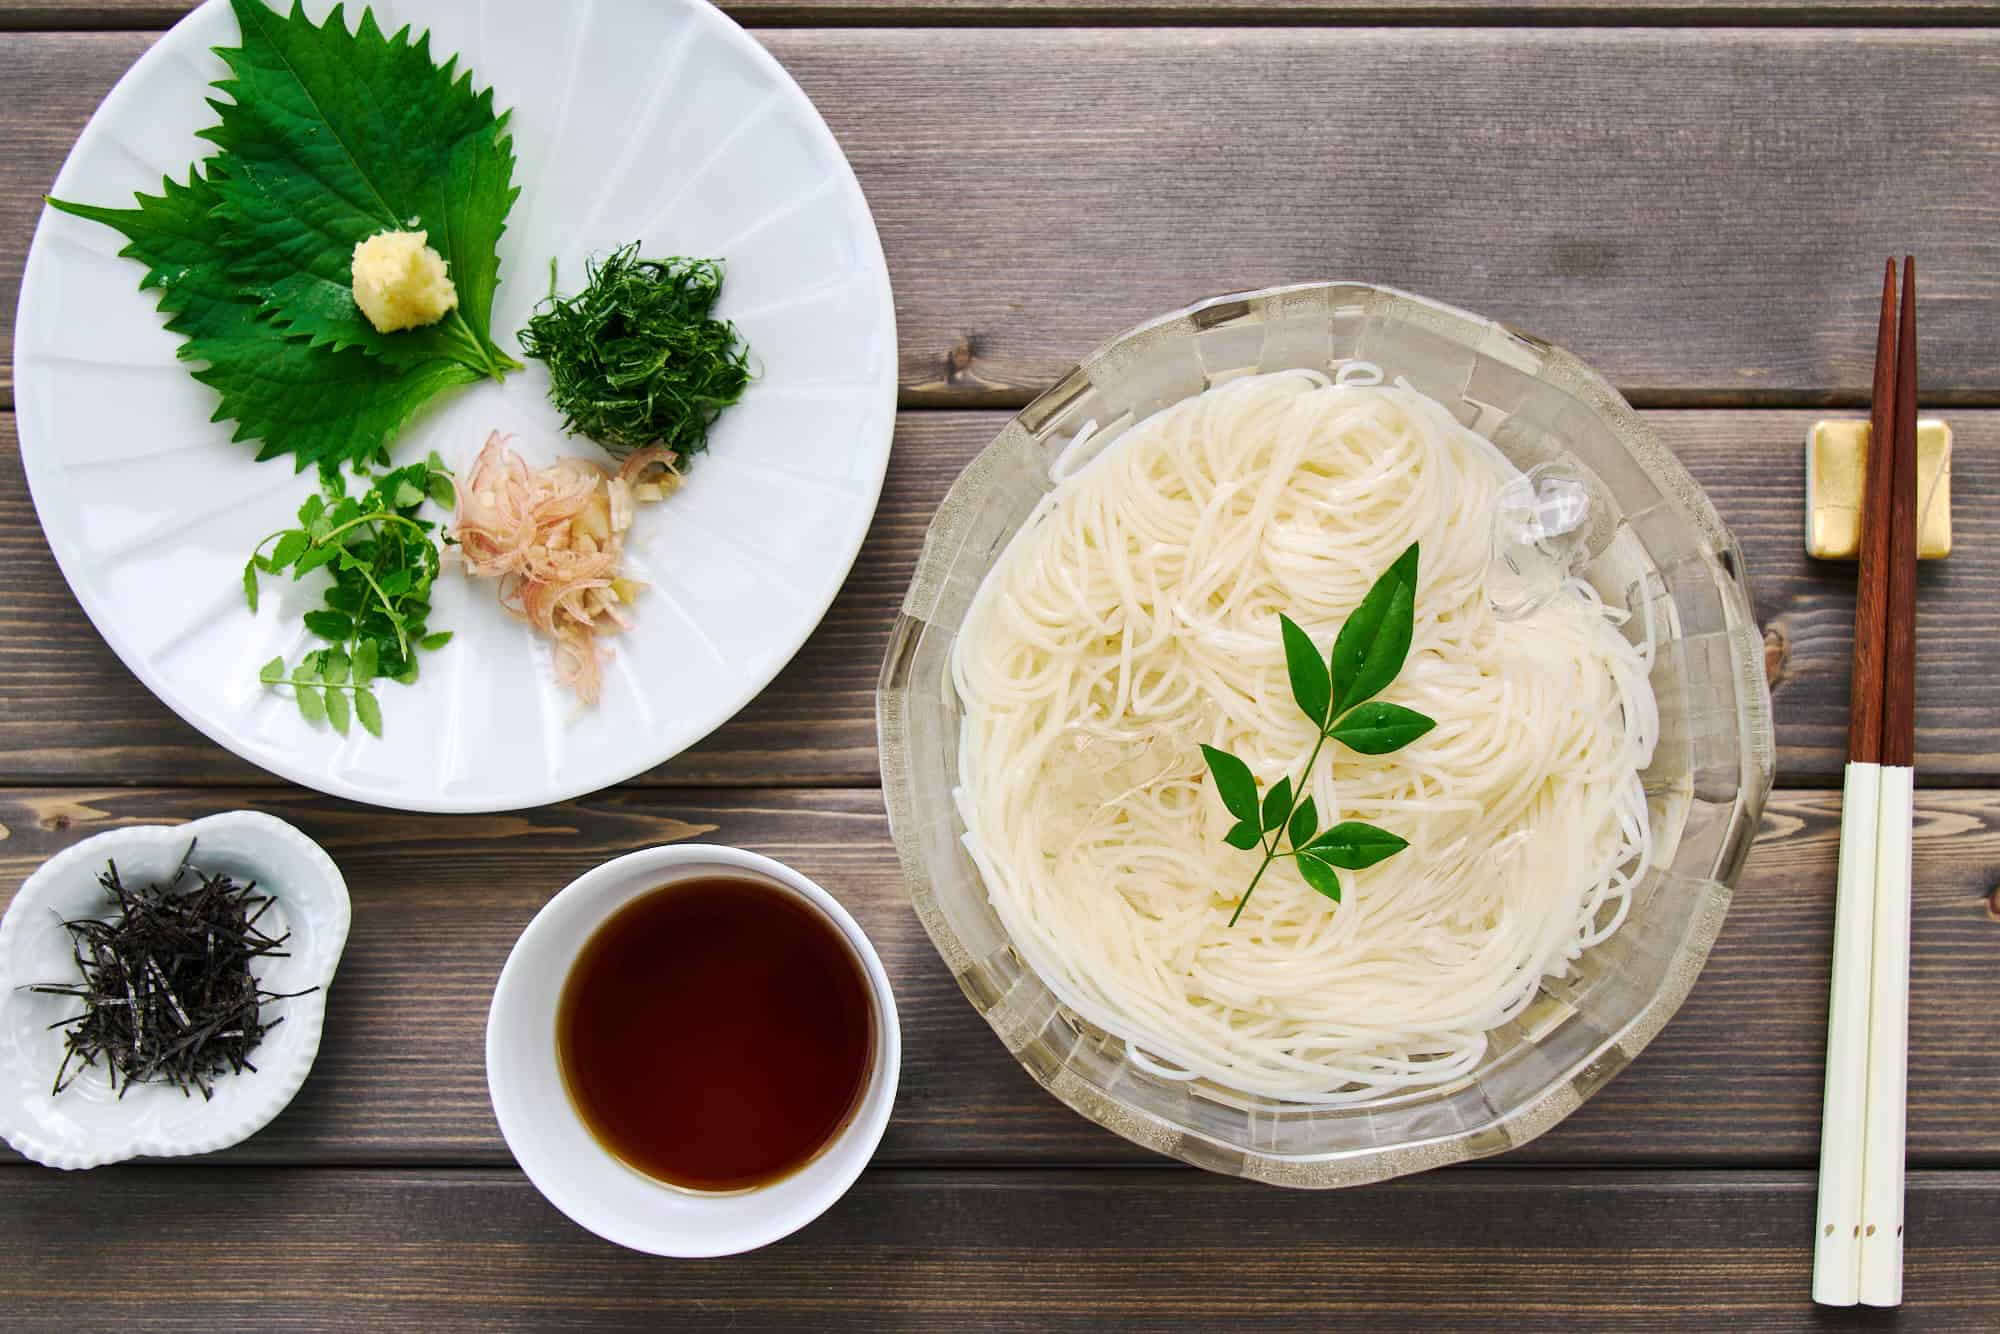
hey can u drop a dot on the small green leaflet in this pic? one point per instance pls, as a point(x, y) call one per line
point(382, 559)
point(368, 711)
point(336, 710)
point(1371, 646)
point(332, 625)
point(1378, 727)
point(1354, 846)
point(1304, 824)
point(1278, 805)
point(1336, 697)
point(1233, 781)
point(326, 137)
point(1320, 875)
point(1312, 687)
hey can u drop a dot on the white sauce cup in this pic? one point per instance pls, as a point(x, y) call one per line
point(576, 1173)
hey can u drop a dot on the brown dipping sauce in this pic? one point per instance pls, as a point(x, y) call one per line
point(717, 1033)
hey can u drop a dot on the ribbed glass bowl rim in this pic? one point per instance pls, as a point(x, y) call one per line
point(1756, 739)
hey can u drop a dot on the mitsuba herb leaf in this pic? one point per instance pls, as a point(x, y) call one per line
point(383, 558)
point(330, 625)
point(290, 547)
point(369, 711)
point(1367, 654)
point(337, 714)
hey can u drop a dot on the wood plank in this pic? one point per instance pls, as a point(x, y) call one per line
point(1044, 1251)
point(1734, 1080)
point(1608, 200)
point(53, 15)
point(69, 711)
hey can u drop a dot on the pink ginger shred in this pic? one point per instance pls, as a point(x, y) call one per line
point(553, 538)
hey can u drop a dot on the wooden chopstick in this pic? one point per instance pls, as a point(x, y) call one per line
point(1889, 990)
point(1899, 681)
point(1837, 1231)
point(1871, 592)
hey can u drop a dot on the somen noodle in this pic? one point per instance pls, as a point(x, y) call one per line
point(1135, 616)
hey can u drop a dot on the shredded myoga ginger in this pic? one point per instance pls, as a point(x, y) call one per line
point(554, 538)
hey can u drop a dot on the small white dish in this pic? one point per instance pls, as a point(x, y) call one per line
point(564, 1160)
point(87, 1125)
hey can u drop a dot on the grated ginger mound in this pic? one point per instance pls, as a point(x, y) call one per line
point(400, 282)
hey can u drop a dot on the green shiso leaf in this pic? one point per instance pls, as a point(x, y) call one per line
point(327, 137)
point(333, 137)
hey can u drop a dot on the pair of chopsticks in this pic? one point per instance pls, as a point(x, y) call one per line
point(1858, 1238)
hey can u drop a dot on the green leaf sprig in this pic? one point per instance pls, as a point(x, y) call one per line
point(1338, 696)
point(325, 138)
point(383, 560)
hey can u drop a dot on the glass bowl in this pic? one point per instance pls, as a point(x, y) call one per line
point(1654, 546)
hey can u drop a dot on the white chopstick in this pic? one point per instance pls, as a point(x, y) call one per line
point(1888, 1047)
point(1837, 1233)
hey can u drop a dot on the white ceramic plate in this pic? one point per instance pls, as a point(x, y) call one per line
point(654, 120)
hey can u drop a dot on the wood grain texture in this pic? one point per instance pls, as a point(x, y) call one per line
point(32, 15)
point(1598, 188)
point(438, 902)
point(69, 711)
point(1472, 1249)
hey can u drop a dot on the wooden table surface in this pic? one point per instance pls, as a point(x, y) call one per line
point(1696, 197)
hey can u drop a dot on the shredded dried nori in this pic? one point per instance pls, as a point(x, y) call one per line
point(637, 357)
point(168, 995)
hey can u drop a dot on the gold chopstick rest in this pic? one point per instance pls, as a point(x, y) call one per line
point(1836, 463)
